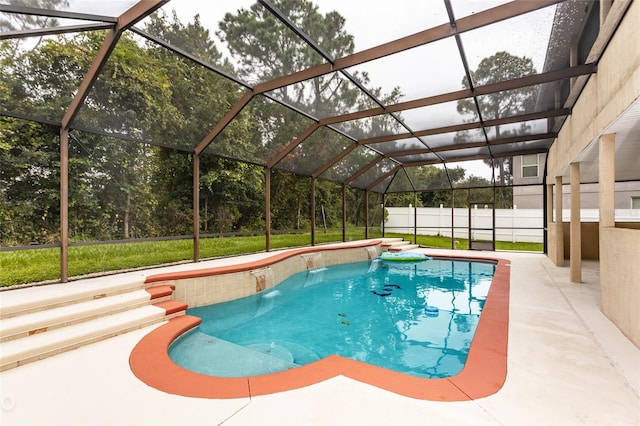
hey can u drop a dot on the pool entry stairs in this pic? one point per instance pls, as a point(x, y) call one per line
point(42, 321)
point(399, 244)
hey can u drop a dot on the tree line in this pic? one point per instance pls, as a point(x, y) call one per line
point(131, 147)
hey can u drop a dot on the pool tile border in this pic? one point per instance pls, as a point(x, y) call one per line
point(256, 264)
point(484, 372)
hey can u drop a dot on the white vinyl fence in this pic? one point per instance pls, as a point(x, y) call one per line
point(514, 225)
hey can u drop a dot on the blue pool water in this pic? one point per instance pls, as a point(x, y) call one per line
point(417, 318)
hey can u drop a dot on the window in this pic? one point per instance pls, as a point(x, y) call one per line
point(635, 202)
point(530, 165)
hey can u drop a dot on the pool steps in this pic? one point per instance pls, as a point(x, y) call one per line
point(399, 245)
point(42, 321)
point(34, 299)
point(51, 319)
point(71, 317)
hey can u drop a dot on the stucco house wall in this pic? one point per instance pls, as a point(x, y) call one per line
point(607, 94)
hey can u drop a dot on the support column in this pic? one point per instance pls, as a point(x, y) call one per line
point(453, 219)
point(558, 216)
point(313, 212)
point(196, 208)
point(415, 218)
point(575, 261)
point(344, 213)
point(549, 205)
point(548, 216)
point(64, 205)
point(366, 214)
point(382, 220)
point(267, 209)
point(559, 223)
point(607, 181)
point(556, 249)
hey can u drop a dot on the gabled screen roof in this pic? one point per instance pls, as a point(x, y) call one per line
point(375, 95)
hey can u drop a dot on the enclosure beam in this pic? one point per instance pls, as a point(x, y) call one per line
point(470, 222)
point(292, 145)
point(466, 145)
point(196, 208)
point(64, 205)
point(139, 11)
point(366, 214)
point(127, 19)
point(313, 211)
point(335, 159)
point(575, 261)
point(493, 216)
point(558, 226)
point(363, 170)
point(267, 208)
point(468, 23)
point(467, 126)
point(382, 220)
point(90, 77)
point(415, 218)
point(453, 218)
point(548, 219)
point(344, 213)
point(25, 10)
point(545, 77)
point(224, 121)
point(40, 32)
point(540, 150)
point(384, 176)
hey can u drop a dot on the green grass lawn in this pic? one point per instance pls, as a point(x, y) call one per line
point(37, 265)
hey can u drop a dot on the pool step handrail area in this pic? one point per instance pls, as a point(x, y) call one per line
point(39, 322)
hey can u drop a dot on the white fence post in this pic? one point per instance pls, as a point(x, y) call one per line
point(528, 220)
point(513, 224)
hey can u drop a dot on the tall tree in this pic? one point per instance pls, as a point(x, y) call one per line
point(501, 66)
point(264, 49)
point(29, 182)
point(126, 99)
point(228, 189)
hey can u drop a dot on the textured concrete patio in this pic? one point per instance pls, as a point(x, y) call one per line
point(567, 365)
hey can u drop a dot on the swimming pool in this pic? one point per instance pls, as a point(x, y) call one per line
point(483, 374)
point(414, 318)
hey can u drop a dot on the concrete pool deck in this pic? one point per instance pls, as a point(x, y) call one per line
point(567, 365)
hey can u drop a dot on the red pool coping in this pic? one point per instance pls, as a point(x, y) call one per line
point(257, 264)
point(484, 372)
